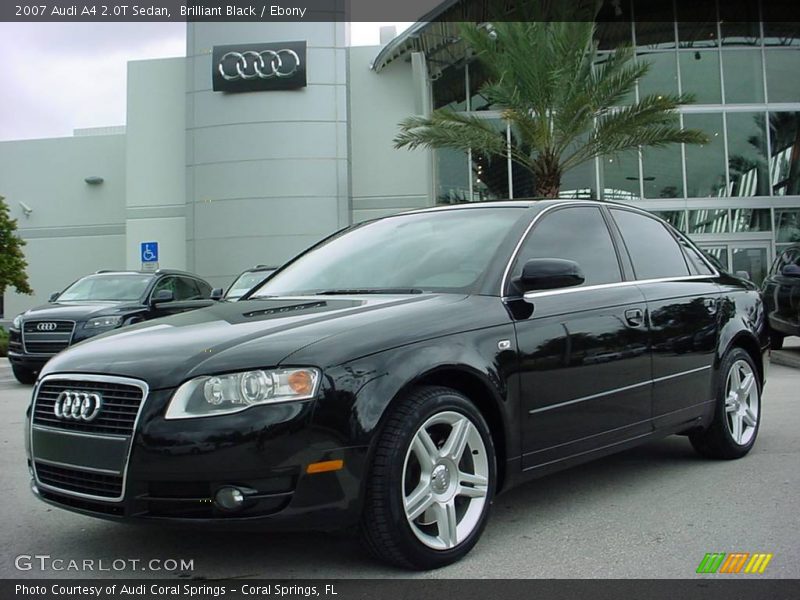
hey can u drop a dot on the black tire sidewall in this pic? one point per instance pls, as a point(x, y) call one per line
point(416, 552)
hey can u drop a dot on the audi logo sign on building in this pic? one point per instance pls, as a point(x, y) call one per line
point(259, 67)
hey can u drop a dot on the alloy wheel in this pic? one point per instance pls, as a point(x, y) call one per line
point(741, 402)
point(445, 480)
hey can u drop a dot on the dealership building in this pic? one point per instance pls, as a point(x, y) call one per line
point(266, 137)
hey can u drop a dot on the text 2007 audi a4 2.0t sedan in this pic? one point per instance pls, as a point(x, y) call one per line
point(401, 373)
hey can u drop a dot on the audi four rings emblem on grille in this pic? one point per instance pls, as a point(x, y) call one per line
point(78, 406)
point(251, 64)
point(46, 326)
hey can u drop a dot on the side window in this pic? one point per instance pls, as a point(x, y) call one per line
point(696, 263)
point(579, 234)
point(168, 283)
point(185, 289)
point(203, 287)
point(653, 250)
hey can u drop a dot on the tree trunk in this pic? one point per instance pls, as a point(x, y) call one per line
point(548, 176)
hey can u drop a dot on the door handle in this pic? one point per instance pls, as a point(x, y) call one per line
point(634, 317)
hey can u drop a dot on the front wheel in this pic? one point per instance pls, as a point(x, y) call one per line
point(23, 374)
point(431, 482)
point(738, 410)
point(776, 340)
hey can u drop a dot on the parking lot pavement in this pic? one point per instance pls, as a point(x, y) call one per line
point(649, 512)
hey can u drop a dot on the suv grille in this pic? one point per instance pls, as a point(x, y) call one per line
point(52, 340)
point(117, 415)
point(82, 482)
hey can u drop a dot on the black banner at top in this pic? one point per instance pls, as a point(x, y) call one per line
point(773, 11)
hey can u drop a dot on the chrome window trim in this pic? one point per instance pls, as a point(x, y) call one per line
point(600, 205)
point(22, 334)
point(96, 378)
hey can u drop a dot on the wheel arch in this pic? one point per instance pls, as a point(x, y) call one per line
point(747, 342)
point(474, 386)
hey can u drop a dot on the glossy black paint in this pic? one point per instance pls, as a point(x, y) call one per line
point(81, 312)
point(781, 291)
point(561, 376)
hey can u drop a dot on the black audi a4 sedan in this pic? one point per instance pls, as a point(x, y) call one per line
point(398, 375)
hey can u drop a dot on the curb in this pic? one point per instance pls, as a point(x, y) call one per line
point(786, 358)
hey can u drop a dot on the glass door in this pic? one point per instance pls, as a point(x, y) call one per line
point(741, 256)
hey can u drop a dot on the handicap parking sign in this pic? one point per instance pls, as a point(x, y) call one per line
point(149, 252)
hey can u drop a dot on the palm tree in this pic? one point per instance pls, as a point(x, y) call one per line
point(565, 106)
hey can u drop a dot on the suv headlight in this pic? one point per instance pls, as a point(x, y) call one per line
point(103, 322)
point(17, 322)
point(233, 392)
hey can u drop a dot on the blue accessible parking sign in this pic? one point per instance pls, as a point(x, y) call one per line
point(149, 252)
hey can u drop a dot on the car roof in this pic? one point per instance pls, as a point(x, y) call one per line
point(527, 203)
point(153, 273)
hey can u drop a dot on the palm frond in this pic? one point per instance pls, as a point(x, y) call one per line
point(448, 129)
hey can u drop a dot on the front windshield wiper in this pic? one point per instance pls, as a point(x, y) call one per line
point(354, 291)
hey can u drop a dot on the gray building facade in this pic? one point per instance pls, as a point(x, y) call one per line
point(226, 180)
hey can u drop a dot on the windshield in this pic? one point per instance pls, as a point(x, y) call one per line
point(447, 251)
point(245, 283)
point(106, 287)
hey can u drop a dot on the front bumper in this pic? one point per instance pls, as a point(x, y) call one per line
point(175, 467)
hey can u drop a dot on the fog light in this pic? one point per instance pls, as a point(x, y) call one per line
point(229, 498)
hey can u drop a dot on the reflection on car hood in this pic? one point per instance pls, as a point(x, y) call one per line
point(254, 333)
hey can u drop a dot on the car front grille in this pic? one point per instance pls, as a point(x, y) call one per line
point(46, 337)
point(117, 416)
point(82, 482)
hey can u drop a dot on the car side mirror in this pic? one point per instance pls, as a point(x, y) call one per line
point(743, 275)
point(549, 274)
point(790, 271)
point(54, 296)
point(162, 296)
point(217, 294)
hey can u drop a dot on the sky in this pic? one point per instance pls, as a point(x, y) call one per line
point(57, 77)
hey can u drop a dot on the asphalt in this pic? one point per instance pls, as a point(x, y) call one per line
point(650, 512)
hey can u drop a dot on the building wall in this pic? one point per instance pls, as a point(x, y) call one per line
point(75, 228)
point(155, 164)
point(385, 180)
point(266, 172)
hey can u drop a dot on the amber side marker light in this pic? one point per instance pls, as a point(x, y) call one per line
point(301, 382)
point(325, 466)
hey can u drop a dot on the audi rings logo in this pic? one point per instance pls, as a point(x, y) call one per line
point(46, 326)
point(77, 406)
point(256, 67)
point(266, 64)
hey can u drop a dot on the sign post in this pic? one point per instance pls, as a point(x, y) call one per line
point(149, 254)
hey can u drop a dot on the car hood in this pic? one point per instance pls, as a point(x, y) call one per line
point(75, 311)
point(232, 336)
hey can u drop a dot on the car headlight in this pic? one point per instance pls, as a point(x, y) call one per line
point(17, 322)
point(233, 392)
point(103, 322)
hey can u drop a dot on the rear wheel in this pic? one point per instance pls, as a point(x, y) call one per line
point(776, 340)
point(23, 374)
point(431, 483)
point(738, 410)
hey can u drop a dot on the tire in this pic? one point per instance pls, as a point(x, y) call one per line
point(416, 489)
point(737, 414)
point(776, 340)
point(23, 374)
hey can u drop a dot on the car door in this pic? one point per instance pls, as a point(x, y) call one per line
point(683, 303)
point(583, 351)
